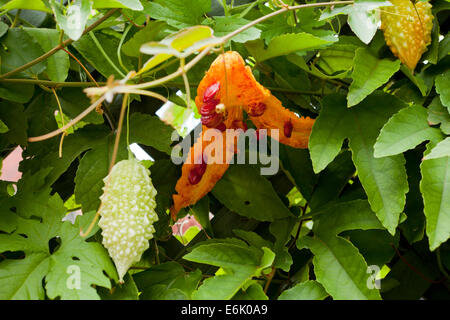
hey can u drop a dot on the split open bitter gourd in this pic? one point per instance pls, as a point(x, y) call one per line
point(227, 89)
point(127, 213)
point(407, 29)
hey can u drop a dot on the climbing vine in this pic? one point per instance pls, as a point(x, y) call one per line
point(341, 193)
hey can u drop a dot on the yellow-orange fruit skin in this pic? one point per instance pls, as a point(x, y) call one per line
point(239, 89)
point(188, 193)
point(407, 29)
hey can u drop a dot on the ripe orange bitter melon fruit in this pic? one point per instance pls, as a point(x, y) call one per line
point(227, 89)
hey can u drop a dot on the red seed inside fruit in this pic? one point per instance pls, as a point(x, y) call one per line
point(288, 128)
point(197, 172)
point(257, 109)
point(211, 91)
point(212, 120)
point(209, 107)
point(221, 127)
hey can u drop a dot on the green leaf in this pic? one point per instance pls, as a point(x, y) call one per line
point(15, 120)
point(363, 19)
point(3, 29)
point(18, 48)
point(435, 188)
point(239, 261)
point(414, 227)
point(74, 144)
point(325, 144)
point(201, 211)
point(243, 190)
point(58, 64)
point(167, 281)
point(225, 255)
point(252, 238)
point(157, 48)
point(93, 168)
point(442, 149)
point(339, 57)
point(226, 25)
point(73, 102)
point(130, 4)
point(281, 229)
point(150, 131)
point(285, 44)
point(88, 49)
point(335, 11)
point(297, 165)
point(432, 54)
point(369, 73)
point(384, 179)
point(301, 63)
point(22, 279)
point(340, 268)
point(416, 79)
point(442, 87)
point(333, 219)
point(332, 180)
point(308, 290)
point(438, 114)
point(253, 292)
point(402, 282)
point(374, 245)
point(405, 130)
point(89, 259)
point(3, 127)
point(32, 194)
point(21, 93)
point(164, 175)
point(72, 19)
point(181, 44)
point(126, 291)
point(179, 14)
point(26, 4)
point(151, 32)
point(338, 265)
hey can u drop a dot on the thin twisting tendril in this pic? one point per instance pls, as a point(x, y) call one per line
point(62, 121)
point(181, 71)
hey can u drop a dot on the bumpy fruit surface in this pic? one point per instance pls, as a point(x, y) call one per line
point(407, 29)
point(127, 213)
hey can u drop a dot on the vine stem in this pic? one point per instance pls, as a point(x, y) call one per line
point(275, 13)
point(81, 65)
point(111, 165)
point(181, 70)
point(16, 18)
point(186, 83)
point(119, 130)
point(53, 84)
point(62, 121)
point(105, 55)
point(68, 125)
point(269, 280)
point(58, 47)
